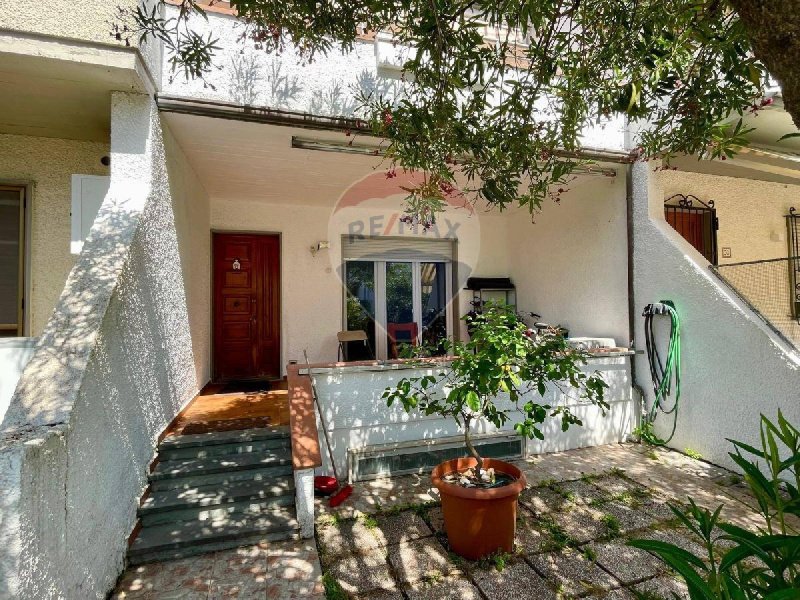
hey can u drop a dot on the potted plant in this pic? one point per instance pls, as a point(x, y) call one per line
point(497, 376)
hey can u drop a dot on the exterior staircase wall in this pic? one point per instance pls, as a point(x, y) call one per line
point(113, 367)
point(733, 366)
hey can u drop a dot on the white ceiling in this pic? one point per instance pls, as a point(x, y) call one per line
point(243, 160)
point(47, 98)
point(770, 125)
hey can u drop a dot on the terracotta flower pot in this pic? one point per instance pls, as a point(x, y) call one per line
point(478, 521)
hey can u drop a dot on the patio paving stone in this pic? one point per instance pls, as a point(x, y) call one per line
point(348, 537)
point(401, 527)
point(674, 536)
point(613, 485)
point(531, 536)
point(581, 524)
point(248, 561)
point(187, 578)
point(541, 500)
point(443, 589)
point(663, 588)
point(361, 574)
point(379, 595)
point(628, 517)
point(627, 564)
point(571, 573)
point(421, 560)
point(516, 581)
point(658, 510)
point(242, 588)
point(436, 519)
point(581, 492)
point(293, 570)
point(615, 594)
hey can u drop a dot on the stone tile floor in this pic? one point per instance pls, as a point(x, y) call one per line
point(273, 570)
point(386, 541)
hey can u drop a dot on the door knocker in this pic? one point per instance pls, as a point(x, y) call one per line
point(237, 266)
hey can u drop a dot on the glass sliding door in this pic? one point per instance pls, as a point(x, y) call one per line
point(360, 306)
point(398, 302)
point(433, 304)
point(12, 248)
point(401, 327)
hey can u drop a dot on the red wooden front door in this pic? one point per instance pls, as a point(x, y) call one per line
point(246, 306)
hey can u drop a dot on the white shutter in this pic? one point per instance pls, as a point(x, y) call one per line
point(88, 193)
point(397, 248)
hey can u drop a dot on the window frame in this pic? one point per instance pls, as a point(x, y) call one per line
point(23, 283)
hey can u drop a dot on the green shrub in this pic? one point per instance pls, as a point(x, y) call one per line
point(740, 564)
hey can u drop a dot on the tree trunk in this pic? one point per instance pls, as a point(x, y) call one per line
point(468, 443)
point(774, 31)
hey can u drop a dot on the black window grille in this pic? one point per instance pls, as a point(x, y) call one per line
point(696, 221)
point(793, 237)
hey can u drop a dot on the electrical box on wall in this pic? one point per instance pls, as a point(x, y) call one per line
point(726, 252)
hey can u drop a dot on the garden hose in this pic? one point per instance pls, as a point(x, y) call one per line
point(662, 373)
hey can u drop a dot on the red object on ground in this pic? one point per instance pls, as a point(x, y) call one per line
point(325, 485)
point(479, 521)
point(340, 496)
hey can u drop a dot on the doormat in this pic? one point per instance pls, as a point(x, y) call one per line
point(226, 425)
point(233, 387)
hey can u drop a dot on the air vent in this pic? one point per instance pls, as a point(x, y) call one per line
point(420, 456)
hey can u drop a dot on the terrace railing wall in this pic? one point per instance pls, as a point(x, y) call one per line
point(768, 287)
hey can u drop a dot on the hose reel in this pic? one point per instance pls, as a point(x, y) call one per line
point(663, 373)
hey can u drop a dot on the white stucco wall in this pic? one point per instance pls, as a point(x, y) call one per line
point(733, 367)
point(751, 213)
point(570, 264)
point(329, 85)
point(87, 21)
point(113, 367)
point(356, 416)
point(311, 287)
point(192, 214)
point(249, 76)
point(48, 165)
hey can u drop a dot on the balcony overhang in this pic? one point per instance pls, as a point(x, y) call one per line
point(61, 88)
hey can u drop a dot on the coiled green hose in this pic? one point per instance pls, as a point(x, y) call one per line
point(662, 373)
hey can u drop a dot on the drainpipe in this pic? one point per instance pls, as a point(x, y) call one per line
point(631, 300)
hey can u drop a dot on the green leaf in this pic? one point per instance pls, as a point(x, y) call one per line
point(787, 136)
point(681, 561)
point(473, 401)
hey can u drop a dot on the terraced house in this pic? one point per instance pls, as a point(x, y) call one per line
point(180, 258)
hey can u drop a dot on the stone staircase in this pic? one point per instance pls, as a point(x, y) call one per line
point(213, 491)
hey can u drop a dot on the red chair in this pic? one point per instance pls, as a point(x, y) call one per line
point(403, 328)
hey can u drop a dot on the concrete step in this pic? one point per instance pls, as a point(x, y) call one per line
point(174, 554)
point(172, 469)
point(217, 512)
point(168, 506)
point(188, 538)
point(210, 451)
point(265, 475)
point(223, 437)
point(206, 496)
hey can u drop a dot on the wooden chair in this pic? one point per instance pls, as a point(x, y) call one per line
point(347, 337)
point(394, 328)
